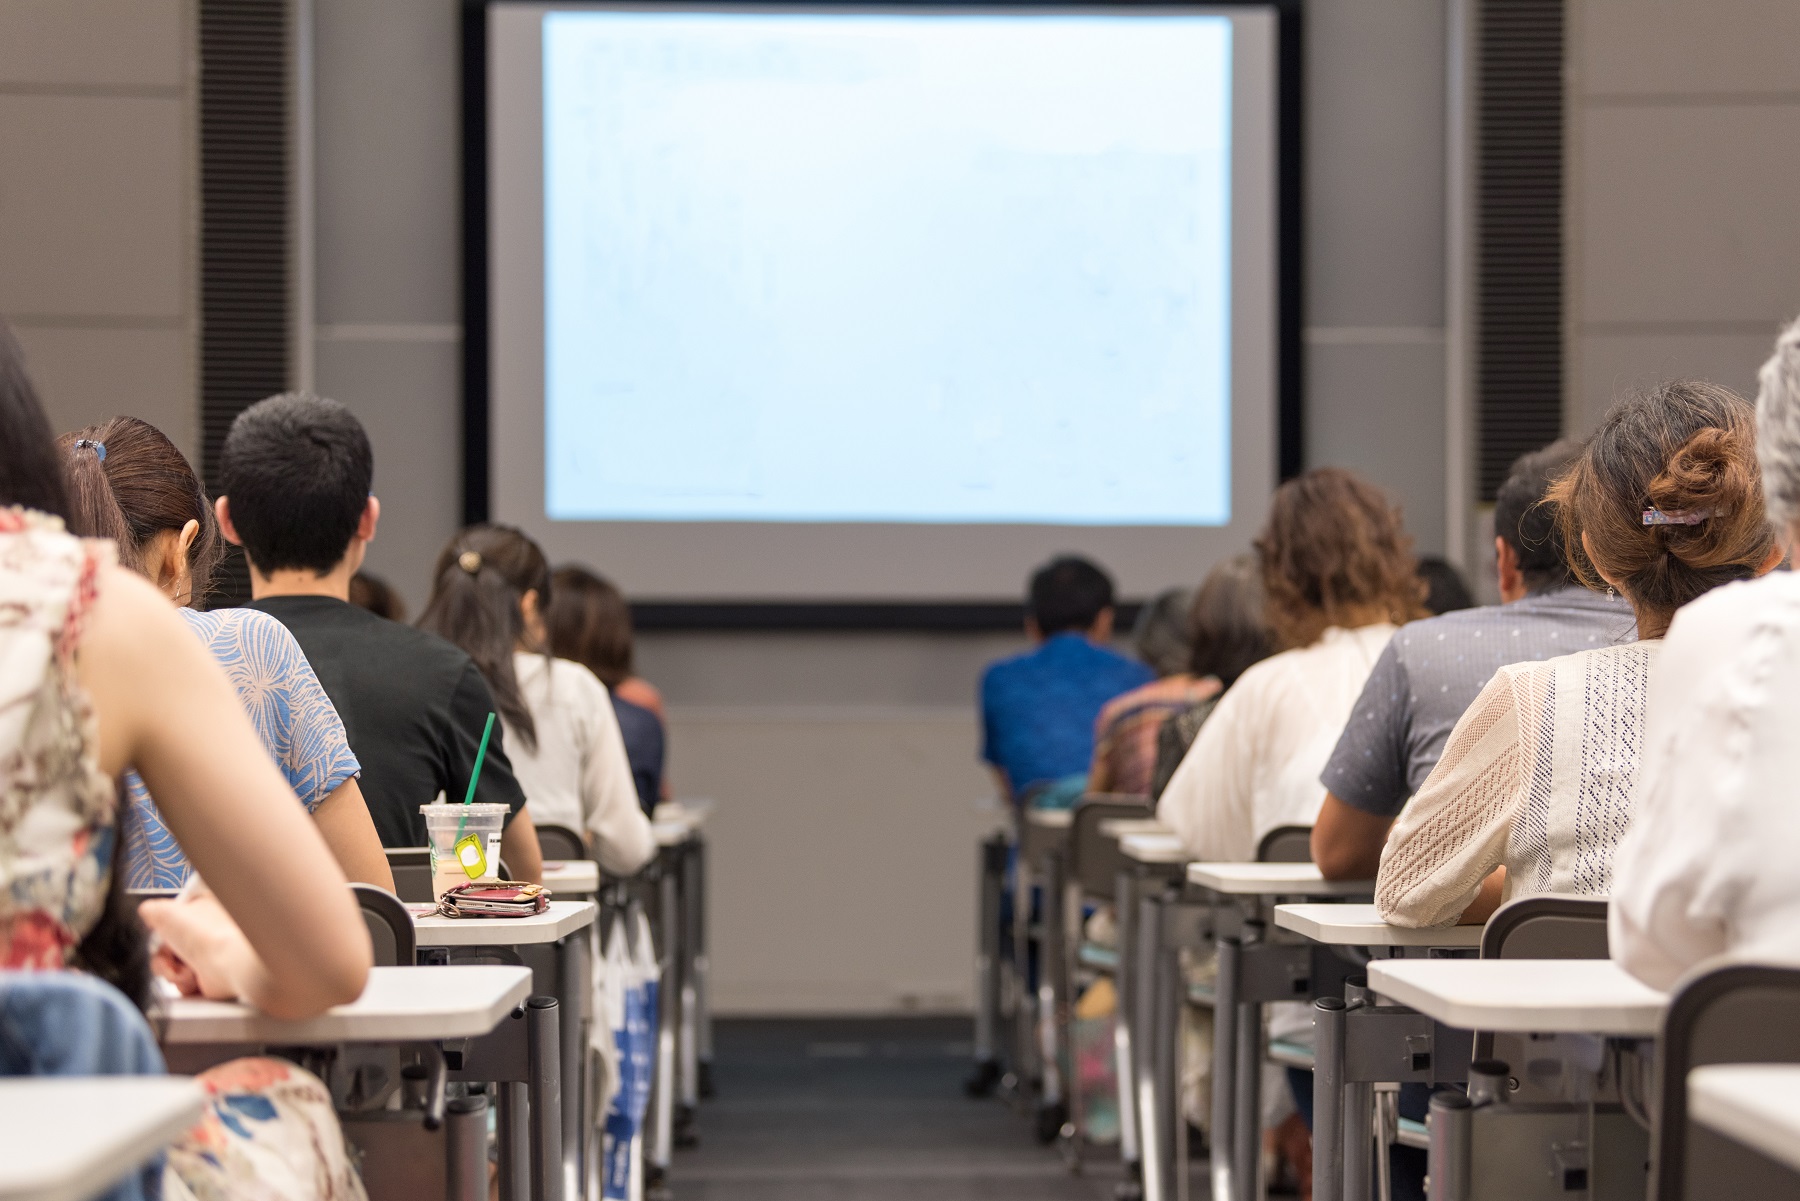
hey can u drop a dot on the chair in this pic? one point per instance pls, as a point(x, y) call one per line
point(1286, 844)
point(560, 842)
point(390, 925)
point(412, 873)
point(1741, 1013)
point(1547, 927)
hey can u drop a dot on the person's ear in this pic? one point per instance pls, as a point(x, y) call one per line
point(528, 606)
point(1772, 560)
point(1506, 571)
point(1032, 630)
point(371, 516)
point(1102, 629)
point(1587, 548)
point(184, 540)
point(222, 510)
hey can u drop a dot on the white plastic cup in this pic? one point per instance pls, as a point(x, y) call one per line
point(465, 844)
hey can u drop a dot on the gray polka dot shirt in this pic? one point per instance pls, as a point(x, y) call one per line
point(1433, 670)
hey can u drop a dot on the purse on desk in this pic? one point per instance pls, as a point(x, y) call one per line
point(501, 898)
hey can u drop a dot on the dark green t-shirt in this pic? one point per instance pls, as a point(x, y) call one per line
point(413, 707)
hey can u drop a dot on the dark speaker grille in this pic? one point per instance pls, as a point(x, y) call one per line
point(1519, 366)
point(243, 225)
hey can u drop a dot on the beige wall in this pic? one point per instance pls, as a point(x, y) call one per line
point(1683, 168)
point(97, 206)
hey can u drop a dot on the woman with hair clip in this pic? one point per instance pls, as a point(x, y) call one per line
point(128, 482)
point(1534, 788)
point(488, 597)
point(97, 676)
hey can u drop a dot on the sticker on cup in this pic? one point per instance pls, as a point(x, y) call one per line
point(471, 854)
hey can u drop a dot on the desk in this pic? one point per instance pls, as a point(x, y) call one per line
point(1354, 925)
point(400, 1004)
point(1124, 827)
point(543, 942)
point(573, 879)
point(1149, 983)
point(1524, 996)
point(69, 1138)
point(1154, 848)
point(1756, 1104)
point(1272, 880)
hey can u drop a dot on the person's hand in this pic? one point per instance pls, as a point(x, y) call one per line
point(202, 952)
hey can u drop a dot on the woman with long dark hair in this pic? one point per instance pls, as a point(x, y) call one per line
point(589, 622)
point(129, 483)
point(488, 597)
point(98, 675)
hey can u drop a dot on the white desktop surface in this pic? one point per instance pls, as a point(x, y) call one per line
point(1757, 1104)
point(694, 811)
point(554, 924)
point(1050, 819)
point(1125, 827)
point(1153, 848)
point(68, 1138)
point(400, 1004)
point(1357, 925)
point(672, 832)
point(1273, 879)
point(571, 875)
point(1523, 996)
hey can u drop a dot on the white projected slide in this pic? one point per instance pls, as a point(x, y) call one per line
point(878, 267)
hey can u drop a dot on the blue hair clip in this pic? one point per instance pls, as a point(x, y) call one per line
point(99, 448)
point(1679, 517)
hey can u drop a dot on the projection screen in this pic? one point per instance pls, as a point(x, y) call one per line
point(849, 304)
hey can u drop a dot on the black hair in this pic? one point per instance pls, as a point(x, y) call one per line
point(1445, 589)
point(31, 470)
point(481, 578)
point(1527, 522)
point(1068, 593)
point(1229, 630)
point(295, 471)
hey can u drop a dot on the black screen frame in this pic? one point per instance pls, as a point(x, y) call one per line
point(1290, 270)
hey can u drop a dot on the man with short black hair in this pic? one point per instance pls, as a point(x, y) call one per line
point(1038, 708)
point(296, 472)
point(1433, 669)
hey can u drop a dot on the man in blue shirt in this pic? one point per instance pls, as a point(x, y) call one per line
point(1038, 708)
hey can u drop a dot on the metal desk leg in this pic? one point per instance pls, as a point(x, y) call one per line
point(702, 969)
point(660, 1143)
point(513, 1120)
point(545, 1098)
point(1153, 1146)
point(690, 998)
point(572, 986)
point(990, 881)
point(1025, 1064)
point(465, 1154)
point(1328, 1099)
point(1224, 1062)
point(1246, 1142)
point(1358, 1113)
point(1051, 1106)
point(1125, 978)
point(1450, 1139)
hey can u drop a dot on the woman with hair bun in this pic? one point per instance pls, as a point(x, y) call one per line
point(1537, 778)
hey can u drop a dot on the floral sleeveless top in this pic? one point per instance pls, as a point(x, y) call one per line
point(57, 809)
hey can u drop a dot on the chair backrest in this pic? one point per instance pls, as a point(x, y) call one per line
point(1094, 860)
point(1547, 927)
point(390, 926)
point(1742, 1013)
point(412, 873)
point(560, 842)
point(1286, 844)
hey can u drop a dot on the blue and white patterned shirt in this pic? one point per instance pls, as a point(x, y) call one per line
point(1433, 670)
point(290, 711)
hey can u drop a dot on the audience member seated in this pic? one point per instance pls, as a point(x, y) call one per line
point(1125, 734)
point(1537, 776)
point(1707, 867)
point(1038, 708)
point(589, 623)
point(488, 597)
point(1432, 670)
point(129, 483)
point(296, 472)
point(97, 676)
point(379, 597)
point(1339, 576)
point(1229, 632)
point(1445, 589)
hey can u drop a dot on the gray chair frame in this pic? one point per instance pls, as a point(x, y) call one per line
point(412, 873)
point(1286, 844)
point(560, 842)
point(391, 930)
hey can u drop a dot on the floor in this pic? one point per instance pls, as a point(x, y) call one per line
point(871, 1109)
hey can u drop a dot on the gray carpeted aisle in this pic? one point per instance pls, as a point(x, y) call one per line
point(866, 1109)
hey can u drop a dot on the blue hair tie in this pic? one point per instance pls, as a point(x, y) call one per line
point(99, 448)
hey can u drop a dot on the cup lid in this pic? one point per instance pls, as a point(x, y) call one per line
point(478, 809)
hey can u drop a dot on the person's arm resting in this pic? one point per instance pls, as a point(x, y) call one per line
point(343, 818)
point(1454, 832)
point(1347, 842)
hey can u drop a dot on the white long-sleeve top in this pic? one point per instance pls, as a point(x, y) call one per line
point(1707, 867)
point(1255, 765)
point(578, 775)
point(1537, 775)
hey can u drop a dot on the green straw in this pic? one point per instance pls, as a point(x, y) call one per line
point(474, 776)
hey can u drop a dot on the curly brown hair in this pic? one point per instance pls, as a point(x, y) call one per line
point(1334, 552)
point(1686, 449)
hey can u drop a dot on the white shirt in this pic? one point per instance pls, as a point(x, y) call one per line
point(1256, 764)
point(1538, 775)
point(578, 775)
point(1707, 867)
